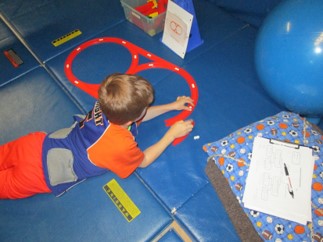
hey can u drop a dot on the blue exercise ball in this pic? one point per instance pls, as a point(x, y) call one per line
point(289, 56)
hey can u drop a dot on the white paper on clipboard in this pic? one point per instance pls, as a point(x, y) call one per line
point(279, 180)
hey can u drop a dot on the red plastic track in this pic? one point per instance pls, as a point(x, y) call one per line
point(135, 67)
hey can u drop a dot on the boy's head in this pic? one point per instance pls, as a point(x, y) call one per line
point(124, 97)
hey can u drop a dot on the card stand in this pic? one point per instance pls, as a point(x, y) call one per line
point(195, 37)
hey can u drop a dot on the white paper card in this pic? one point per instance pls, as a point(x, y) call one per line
point(279, 180)
point(178, 23)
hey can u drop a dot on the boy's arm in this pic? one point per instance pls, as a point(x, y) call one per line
point(179, 129)
point(181, 103)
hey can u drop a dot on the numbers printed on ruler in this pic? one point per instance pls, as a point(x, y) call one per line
point(122, 201)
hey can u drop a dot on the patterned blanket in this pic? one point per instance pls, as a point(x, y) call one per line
point(232, 156)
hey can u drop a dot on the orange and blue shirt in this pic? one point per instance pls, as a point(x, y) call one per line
point(90, 147)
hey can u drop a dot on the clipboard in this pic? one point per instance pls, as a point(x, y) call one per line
point(268, 185)
point(287, 144)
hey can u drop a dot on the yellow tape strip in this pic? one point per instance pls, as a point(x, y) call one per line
point(122, 201)
point(66, 37)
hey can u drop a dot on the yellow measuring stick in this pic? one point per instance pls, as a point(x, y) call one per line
point(122, 201)
point(71, 35)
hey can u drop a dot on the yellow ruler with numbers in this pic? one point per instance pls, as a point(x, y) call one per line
point(69, 36)
point(122, 201)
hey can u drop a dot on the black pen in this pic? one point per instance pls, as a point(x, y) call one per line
point(290, 188)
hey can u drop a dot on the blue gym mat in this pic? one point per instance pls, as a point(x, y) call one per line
point(34, 102)
point(40, 22)
point(86, 213)
point(15, 59)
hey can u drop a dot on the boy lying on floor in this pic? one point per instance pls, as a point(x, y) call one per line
point(102, 140)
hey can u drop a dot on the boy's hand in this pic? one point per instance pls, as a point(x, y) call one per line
point(181, 128)
point(183, 103)
point(177, 130)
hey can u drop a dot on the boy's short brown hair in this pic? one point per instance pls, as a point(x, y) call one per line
point(124, 97)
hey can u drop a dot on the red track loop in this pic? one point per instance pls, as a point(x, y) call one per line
point(135, 67)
